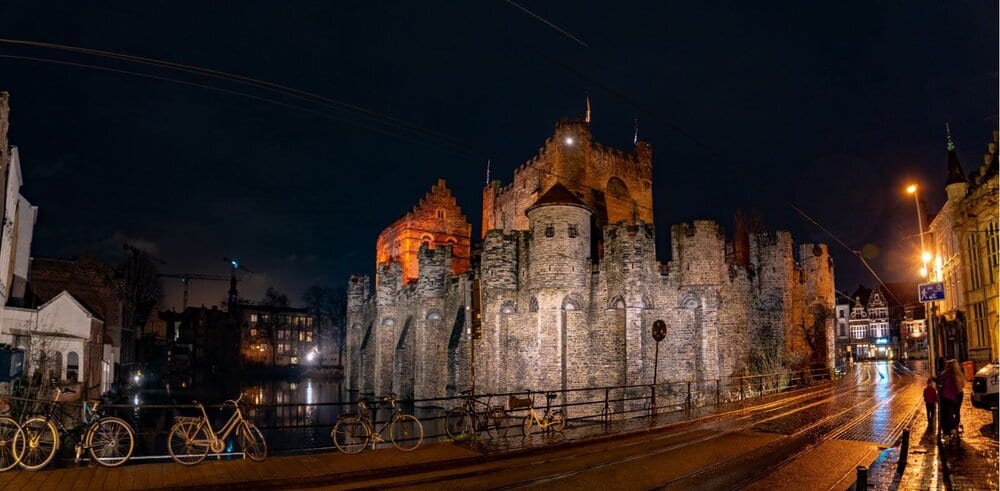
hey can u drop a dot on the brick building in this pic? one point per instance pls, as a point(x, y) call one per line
point(570, 287)
point(435, 221)
point(278, 336)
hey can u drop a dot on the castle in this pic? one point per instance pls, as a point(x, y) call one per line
point(569, 287)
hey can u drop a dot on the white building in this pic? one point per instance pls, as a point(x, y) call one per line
point(65, 339)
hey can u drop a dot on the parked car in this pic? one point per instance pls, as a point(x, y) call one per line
point(985, 386)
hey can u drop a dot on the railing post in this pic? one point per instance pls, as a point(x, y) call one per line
point(689, 397)
point(607, 407)
point(718, 392)
point(861, 480)
point(741, 389)
point(652, 400)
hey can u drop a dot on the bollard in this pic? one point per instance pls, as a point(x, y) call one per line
point(861, 482)
point(904, 450)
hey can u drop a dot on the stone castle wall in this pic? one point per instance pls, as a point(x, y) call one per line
point(585, 167)
point(556, 317)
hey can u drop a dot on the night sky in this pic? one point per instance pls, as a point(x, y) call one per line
point(833, 107)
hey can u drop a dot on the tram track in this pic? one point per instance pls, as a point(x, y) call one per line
point(741, 420)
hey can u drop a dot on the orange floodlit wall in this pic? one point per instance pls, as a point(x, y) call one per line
point(437, 221)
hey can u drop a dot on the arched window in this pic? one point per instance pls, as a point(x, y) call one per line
point(72, 366)
point(571, 303)
point(533, 305)
point(617, 188)
point(508, 308)
point(617, 303)
point(434, 315)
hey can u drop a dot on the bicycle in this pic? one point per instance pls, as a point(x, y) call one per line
point(554, 420)
point(9, 453)
point(109, 440)
point(472, 416)
point(353, 431)
point(191, 437)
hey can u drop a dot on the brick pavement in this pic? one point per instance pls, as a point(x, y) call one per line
point(973, 466)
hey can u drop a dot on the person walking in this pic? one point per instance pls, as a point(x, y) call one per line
point(930, 399)
point(952, 382)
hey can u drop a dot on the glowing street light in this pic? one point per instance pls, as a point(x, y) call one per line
point(925, 256)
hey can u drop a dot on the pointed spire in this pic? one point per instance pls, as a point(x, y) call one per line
point(955, 172)
point(635, 136)
point(587, 119)
point(487, 172)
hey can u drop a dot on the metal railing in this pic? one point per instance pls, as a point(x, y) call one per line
point(305, 427)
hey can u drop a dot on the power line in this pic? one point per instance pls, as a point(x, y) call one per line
point(855, 252)
point(410, 138)
point(309, 97)
point(546, 22)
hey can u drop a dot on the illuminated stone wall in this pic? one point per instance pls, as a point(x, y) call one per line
point(555, 317)
point(436, 220)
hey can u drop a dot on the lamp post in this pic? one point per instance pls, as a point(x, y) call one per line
point(925, 258)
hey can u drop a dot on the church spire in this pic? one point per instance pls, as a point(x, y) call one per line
point(587, 119)
point(955, 173)
point(487, 172)
point(635, 135)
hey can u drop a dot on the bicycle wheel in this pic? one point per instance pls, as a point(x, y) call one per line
point(351, 434)
point(110, 441)
point(498, 422)
point(526, 425)
point(11, 446)
point(558, 421)
point(40, 442)
point(458, 424)
point(188, 442)
point(252, 441)
point(406, 432)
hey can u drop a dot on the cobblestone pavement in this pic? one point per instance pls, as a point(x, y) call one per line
point(973, 465)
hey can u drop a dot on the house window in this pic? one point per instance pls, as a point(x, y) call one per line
point(975, 265)
point(309, 336)
point(550, 231)
point(72, 366)
point(253, 331)
point(302, 336)
point(572, 231)
point(992, 250)
point(253, 317)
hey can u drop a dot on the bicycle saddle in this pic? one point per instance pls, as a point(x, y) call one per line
point(551, 395)
point(66, 390)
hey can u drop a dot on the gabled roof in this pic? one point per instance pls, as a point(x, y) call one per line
point(558, 195)
point(73, 299)
point(955, 172)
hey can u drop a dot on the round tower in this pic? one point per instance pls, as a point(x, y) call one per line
point(559, 255)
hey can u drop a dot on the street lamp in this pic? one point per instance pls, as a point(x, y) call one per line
point(925, 256)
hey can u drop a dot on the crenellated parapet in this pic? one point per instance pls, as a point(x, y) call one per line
point(699, 251)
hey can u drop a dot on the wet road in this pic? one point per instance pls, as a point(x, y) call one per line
point(814, 437)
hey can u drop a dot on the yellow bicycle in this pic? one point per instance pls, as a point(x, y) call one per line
point(192, 437)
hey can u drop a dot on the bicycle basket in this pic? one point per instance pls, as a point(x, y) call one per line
point(518, 403)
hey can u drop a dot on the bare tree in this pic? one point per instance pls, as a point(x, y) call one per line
point(140, 290)
point(329, 305)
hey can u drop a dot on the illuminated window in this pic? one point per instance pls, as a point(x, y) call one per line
point(975, 265)
point(302, 336)
point(309, 336)
point(253, 332)
point(253, 317)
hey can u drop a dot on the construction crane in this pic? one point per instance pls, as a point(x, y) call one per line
point(234, 264)
point(187, 277)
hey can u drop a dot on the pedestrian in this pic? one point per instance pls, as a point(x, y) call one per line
point(951, 383)
point(930, 399)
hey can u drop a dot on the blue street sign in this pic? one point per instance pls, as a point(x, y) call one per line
point(931, 292)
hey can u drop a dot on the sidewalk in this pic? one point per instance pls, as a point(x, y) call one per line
point(972, 466)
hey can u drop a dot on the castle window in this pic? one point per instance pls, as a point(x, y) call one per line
point(508, 307)
point(440, 214)
point(550, 231)
point(533, 306)
point(572, 231)
point(617, 188)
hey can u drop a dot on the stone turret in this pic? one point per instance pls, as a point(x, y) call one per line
point(559, 255)
point(699, 250)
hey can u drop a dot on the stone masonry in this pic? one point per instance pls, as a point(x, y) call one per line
point(571, 286)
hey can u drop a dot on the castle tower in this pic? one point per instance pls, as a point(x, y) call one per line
point(558, 278)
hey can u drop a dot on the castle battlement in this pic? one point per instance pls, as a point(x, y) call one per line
point(570, 286)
